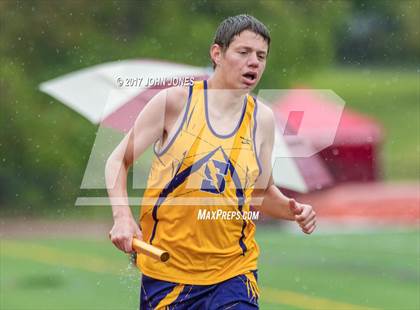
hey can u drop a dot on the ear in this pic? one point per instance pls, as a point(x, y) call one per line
point(216, 53)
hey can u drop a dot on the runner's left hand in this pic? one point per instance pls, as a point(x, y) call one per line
point(304, 215)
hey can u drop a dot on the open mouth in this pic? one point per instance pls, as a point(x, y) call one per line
point(251, 76)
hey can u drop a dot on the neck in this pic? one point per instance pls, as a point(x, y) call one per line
point(220, 93)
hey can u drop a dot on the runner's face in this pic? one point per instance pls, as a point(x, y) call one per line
point(243, 63)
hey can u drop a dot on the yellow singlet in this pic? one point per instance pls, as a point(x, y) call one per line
point(199, 172)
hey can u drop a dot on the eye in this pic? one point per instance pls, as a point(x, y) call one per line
point(242, 52)
point(261, 56)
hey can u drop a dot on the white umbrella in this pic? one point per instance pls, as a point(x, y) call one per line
point(96, 93)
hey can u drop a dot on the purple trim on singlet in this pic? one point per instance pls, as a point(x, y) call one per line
point(208, 119)
point(158, 154)
point(254, 134)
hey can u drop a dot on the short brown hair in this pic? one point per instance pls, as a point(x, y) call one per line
point(234, 25)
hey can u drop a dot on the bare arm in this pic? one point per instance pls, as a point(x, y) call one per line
point(148, 128)
point(275, 203)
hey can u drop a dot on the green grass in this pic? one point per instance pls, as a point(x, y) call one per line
point(390, 96)
point(378, 270)
point(356, 269)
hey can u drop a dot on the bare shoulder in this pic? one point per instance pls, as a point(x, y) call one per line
point(265, 119)
point(176, 97)
point(175, 103)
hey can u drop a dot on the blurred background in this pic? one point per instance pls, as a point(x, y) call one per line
point(366, 253)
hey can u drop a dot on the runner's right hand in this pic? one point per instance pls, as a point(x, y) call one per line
point(122, 233)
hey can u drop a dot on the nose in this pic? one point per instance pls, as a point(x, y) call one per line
point(253, 60)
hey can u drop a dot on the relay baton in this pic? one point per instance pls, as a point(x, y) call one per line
point(147, 249)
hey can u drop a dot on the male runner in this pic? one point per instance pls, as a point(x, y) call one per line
point(212, 152)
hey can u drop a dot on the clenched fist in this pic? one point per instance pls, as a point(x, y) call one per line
point(304, 215)
point(122, 233)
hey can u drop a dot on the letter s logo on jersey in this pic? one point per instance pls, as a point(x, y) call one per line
point(215, 172)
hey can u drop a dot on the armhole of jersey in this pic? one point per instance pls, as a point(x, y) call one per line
point(172, 139)
point(254, 136)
